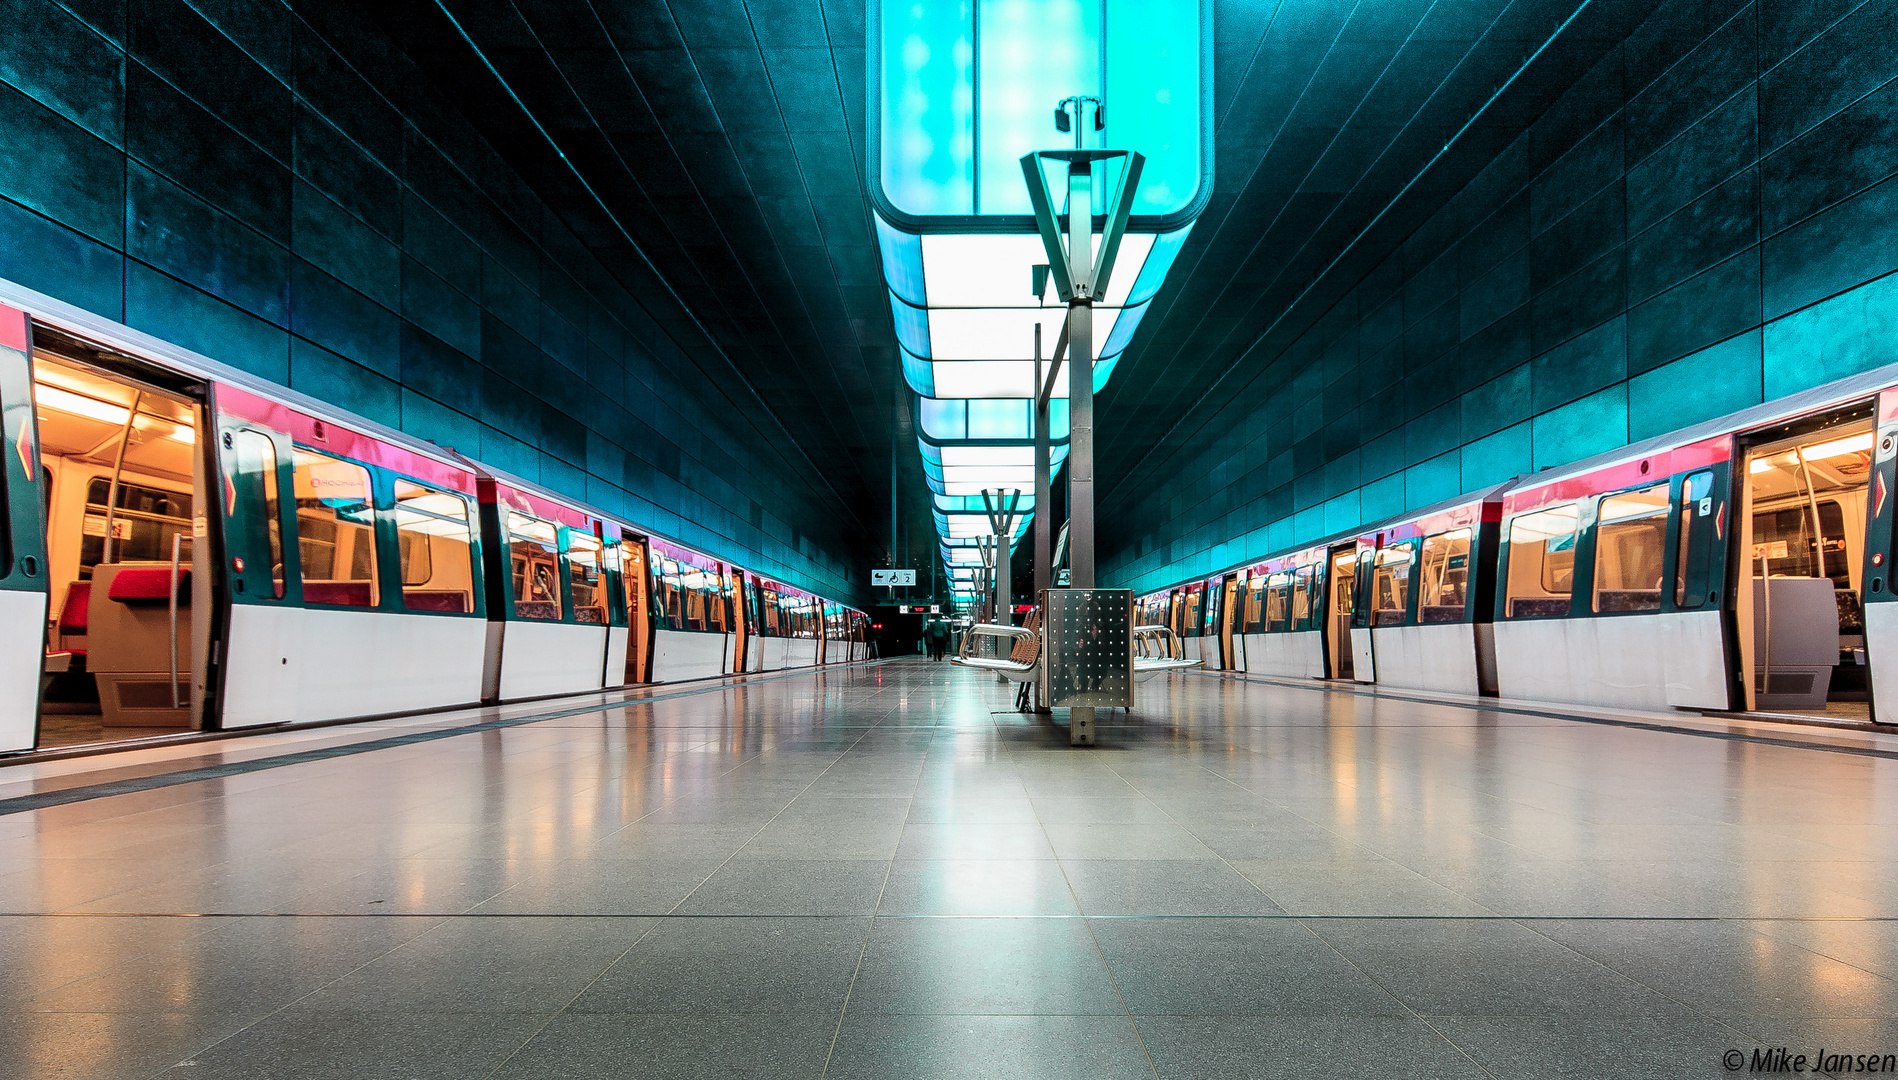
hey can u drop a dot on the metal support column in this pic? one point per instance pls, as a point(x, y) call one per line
point(1080, 278)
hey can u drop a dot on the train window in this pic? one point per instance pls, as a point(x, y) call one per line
point(1443, 577)
point(336, 529)
point(1255, 603)
point(1784, 538)
point(436, 547)
point(532, 559)
point(257, 456)
point(583, 578)
point(1301, 597)
point(1278, 601)
point(1696, 529)
point(1390, 585)
point(1630, 544)
point(143, 522)
point(1542, 562)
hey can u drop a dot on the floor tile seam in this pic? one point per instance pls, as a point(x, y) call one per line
point(1016, 916)
point(768, 822)
point(557, 1013)
point(1401, 1003)
point(157, 781)
point(288, 1005)
point(1630, 976)
point(869, 931)
point(1223, 861)
point(1628, 724)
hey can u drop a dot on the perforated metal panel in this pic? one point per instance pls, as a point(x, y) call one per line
point(1089, 635)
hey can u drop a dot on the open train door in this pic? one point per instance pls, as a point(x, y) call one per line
point(23, 576)
point(1363, 660)
point(1341, 582)
point(1230, 644)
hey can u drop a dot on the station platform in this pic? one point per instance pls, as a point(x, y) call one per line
point(883, 871)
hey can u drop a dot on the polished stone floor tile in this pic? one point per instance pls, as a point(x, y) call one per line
point(975, 1047)
point(1015, 966)
point(1221, 1047)
point(886, 871)
point(757, 886)
point(729, 966)
point(1164, 887)
point(592, 1046)
point(977, 887)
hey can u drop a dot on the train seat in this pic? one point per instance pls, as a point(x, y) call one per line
point(344, 593)
point(1796, 641)
point(129, 643)
point(436, 600)
point(69, 633)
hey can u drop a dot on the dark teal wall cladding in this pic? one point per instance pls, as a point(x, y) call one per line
point(298, 202)
point(1703, 222)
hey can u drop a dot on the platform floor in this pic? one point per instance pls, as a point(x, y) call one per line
point(879, 872)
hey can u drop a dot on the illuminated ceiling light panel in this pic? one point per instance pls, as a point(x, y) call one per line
point(960, 92)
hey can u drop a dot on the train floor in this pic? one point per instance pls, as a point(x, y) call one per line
point(882, 871)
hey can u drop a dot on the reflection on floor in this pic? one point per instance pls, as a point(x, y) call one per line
point(77, 729)
point(883, 872)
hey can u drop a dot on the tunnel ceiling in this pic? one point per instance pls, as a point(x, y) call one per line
point(711, 154)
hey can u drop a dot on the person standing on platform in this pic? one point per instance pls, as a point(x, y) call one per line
point(936, 637)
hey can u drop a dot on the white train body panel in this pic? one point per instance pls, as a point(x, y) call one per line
point(1296, 655)
point(1363, 659)
point(1439, 657)
point(297, 665)
point(802, 652)
point(542, 658)
point(1881, 652)
point(1641, 662)
point(731, 654)
point(619, 640)
point(678, 655)
point(22, 630)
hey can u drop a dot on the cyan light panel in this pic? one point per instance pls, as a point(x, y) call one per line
point(965, 89)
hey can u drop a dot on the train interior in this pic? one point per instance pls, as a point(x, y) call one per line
point(1802, 623)
point(1342, 580)
point(120, 482)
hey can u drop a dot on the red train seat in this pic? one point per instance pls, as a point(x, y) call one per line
point(136, 585)
point(347, 593)
point(435, 600)
point(72, 616)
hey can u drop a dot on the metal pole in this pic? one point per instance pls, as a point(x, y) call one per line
point(1080, 407)
point(1044, 573)
point(118, 466)
point(177, 539)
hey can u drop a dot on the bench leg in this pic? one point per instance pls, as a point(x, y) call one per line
point(1080, 726)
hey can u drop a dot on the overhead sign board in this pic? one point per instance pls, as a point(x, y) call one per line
point(892, 577)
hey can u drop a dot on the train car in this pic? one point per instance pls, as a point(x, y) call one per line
point(1740, 564)
point(187, 547)
point(552, 607)
point(1276, 603)
point(695, 630)
point(1421, 617)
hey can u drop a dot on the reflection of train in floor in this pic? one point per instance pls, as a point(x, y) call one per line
point(184, 547)
point(1738, 565)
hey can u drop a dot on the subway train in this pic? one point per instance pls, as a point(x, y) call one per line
point(185, 547)
point(1740, 565)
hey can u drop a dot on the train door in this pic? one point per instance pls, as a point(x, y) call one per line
point(23, 577)
point(741, 618)
point(1229, 644)
point(636, 579)
point(1340, 583)
point(122, 484)
point(1363, 661)
point(1801, 554)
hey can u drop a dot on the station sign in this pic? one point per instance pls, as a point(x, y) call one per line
point(880, 578)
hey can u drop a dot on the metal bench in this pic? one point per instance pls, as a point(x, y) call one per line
point(1023, 662)
point(1157, 649)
